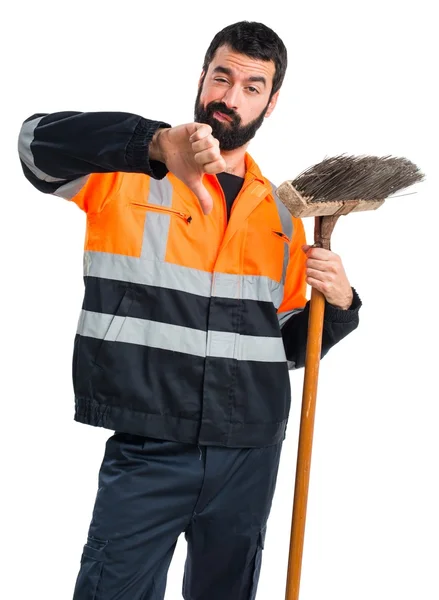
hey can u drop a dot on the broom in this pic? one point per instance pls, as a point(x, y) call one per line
point(334, 187)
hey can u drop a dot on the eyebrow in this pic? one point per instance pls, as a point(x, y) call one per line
point(253, 78)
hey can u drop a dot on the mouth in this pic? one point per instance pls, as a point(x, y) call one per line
point(222, 117)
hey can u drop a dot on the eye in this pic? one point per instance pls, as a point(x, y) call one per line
point(253, 90)
point(221, 80)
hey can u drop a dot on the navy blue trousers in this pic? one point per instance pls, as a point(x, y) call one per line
point(151, 491)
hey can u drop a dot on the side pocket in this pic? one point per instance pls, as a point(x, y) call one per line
point(258, 563)
point(92, 564)
point(75, 359)
point(117, 321)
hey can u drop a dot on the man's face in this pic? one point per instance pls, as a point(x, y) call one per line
point(234, 97)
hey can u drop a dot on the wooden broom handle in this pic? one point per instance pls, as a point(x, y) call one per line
point(315, 328)
point(322, 236)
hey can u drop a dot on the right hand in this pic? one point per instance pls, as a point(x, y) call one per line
point(189, 151)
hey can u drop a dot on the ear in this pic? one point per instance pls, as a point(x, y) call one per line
point(201, 80)
point(272, 104)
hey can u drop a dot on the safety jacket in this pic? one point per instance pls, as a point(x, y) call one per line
point(189, 323)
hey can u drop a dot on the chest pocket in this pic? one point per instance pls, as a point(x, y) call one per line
point(282, 236)
point(156, 229)
point(266, 252)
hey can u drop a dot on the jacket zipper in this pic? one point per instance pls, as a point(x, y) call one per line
point(157, 208)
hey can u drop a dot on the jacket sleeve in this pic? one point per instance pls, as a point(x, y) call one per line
point(293, 313)
point(61, 153)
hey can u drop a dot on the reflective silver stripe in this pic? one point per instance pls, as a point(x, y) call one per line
point(175, 277)
point(142, 332)
point(222, 344)
point(155, 234)
point(278, 295)
point(284, 214)
point(69, 190)
point(284, 316)
point(160, 192)
point(25, 140)
point(147, 272)
point(247, 287)
point(287, 228)
point(180, 339)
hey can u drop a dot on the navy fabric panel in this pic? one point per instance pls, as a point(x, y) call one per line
point(148, 302)
point(47, 187)
point(149, 391)
point(137, 389)
point(244, 402)
point(337, 324)
point(247, 317)
point(71, 144)
point(112, 132)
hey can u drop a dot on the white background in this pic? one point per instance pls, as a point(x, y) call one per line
point(361, 79)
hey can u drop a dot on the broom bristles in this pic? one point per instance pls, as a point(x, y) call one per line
point(356, 178)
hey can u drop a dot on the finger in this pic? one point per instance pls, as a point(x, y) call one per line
point(205, 144)
point(321, 265)
point(320, 253)
point(202, 130)
point(313, 274)
point(207, 156)
point(217, 166)
point(204, 198)
point(321, 286)
point(320, 275)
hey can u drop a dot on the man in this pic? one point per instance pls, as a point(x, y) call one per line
point(194, 307)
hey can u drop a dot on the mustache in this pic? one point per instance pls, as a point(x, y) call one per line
point(222, 108)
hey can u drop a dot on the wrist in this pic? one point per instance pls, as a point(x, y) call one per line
point(346, 304)
point(155, 147)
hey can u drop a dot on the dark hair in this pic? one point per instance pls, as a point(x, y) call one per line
point(254, 40)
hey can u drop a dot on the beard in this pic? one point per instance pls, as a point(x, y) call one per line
point(231, 135)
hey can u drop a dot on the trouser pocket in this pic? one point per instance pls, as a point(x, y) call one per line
point(257, 563)
point(90, 573)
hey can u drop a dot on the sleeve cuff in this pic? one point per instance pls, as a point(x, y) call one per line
point(338, 315)
point(137, 152)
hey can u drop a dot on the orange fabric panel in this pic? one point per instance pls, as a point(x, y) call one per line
point(98, 190)
point(196, 244)
point(263, 250)
point(295, 284)
point(118, 227)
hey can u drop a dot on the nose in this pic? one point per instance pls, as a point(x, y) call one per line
point(231, 97)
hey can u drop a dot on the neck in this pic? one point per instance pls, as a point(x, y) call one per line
point(235, 161)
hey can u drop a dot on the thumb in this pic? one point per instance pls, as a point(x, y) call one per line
point(202, 194)
point(306, 247)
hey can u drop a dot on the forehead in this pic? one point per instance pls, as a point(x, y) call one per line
point(242, 65)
